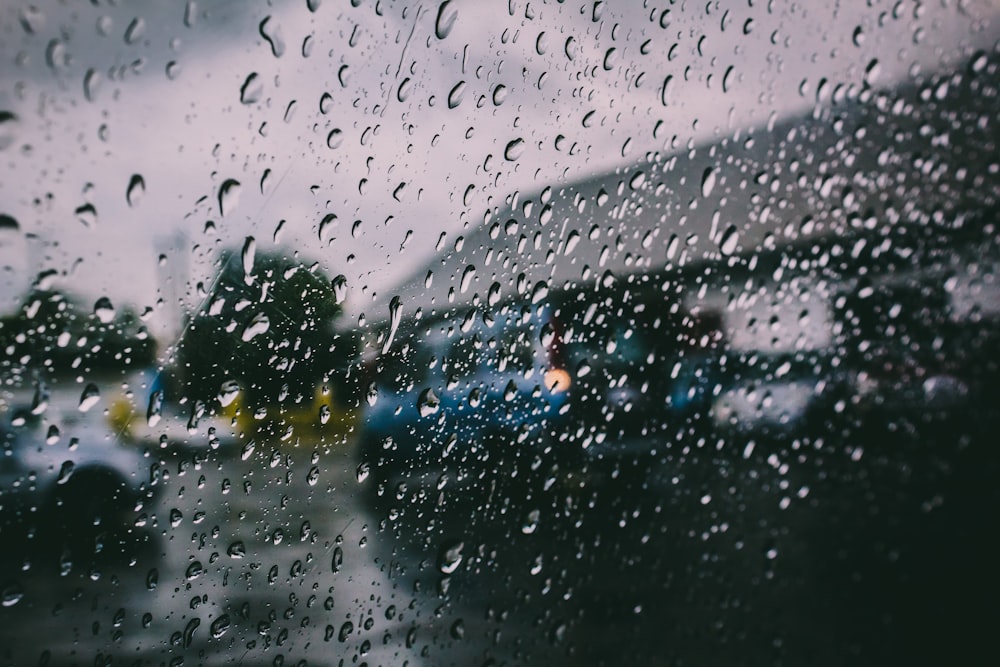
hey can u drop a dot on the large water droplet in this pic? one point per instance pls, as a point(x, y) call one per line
point(219, 626)
point(428, 403)
point(87, 215)
point(329, 220)
point(136, 189)
point(89, 398)
point(729, 241)
point(272, 35)
point(248, 254)
point(514, 149)
point(255, 327)
point(228, 391)
point(237, 550)
point(91, 84)
point(155, 408)
point(135, 30)
point(339, 285)
point(456, 95)
point(325, 103)
point(708, 181)
point(335, 139)
point(65, 472)
point(445, 19)
point(337, 561)
point(450, 556)
point(395, 314)
point(530, 523)
point(252, 89)
point(229, 196)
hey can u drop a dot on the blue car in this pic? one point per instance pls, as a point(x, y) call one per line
point(463, 398)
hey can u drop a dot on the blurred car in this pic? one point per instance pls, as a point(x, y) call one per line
point(77, 479)
point(480, 389)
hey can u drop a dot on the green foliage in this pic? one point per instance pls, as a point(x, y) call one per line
point(52, 335)
point(287, 361)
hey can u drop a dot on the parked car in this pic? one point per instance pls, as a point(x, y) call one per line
point(68, 472)
point(478, 389)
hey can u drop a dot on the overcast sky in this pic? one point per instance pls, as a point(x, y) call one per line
point(102, 93)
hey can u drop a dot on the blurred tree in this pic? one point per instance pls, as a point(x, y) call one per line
point(267, 326)
point(51, 335)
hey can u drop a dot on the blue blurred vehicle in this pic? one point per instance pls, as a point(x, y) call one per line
point(456, 400)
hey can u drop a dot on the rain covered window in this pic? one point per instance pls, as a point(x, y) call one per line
point(447, 332)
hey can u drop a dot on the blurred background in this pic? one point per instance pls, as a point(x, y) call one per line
point(498, 333)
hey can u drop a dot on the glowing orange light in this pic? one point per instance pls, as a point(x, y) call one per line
point(557, 380)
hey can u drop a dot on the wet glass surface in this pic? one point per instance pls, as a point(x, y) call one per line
point(459, 333)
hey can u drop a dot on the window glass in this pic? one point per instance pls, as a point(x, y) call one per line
point(443, 332)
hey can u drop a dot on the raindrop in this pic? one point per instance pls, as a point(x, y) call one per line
point(325, 103)
point(89, 398)
point(450, 556)
point(428, 403)
point(610, 59)
point(258, 325)
point(252, 89)
point(194, 570)
point(499, 94)
point(324, 414)
point(228, 391)
point(456, 95)
point(247, 450)
point(467, 275)
point(91, 83)
point(135, 30)
point(312, 479)
point(189, 629)
point(152, 579)
point(363, 471)
point(237, 550)
point(136, 189)
point(335, 138)
point(87, 215)
point(403, 92)
point(32, 20)
point(666, 89)
point(219, 626)
point(445, 19)
point(514, 149)
point(708, 181)
point(458, 629)
point(345, 631)
point(104, 311)
point(155, 408)
point(339, 285)
point(249, 251)
point(530, 523)
point(229, 196)
point(272, 35)
point(313, 5)
point(726, 78)
point(65, 472)
point(493, 296)
point(729, 240)
point(395, 314)
point(337, 561)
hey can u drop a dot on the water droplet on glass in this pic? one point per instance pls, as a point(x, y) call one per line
point(252, 89)
point(248, 254)
point(65, 472)
point(458, 629)
point(395, 314)
point(339, 285)
point(428, 403)
point(228, 391)
point(229, 196)
point(155, 408)
point(708, 181)
point(259, 324)
point(729, 241)
point(345, 631)
point(91, 84)
point(450, 556)
point(11, 595)
point(405, 87)
point(335, 138)
point(499, 94)
point(514, 149)
point(152, 579)
point(135, 30)
point(237, 550)
point(87, 215)
point(445, 19)
point(136, 189)
point(325, 103)
point(32, 19)
point(219, 626)
point(272, 35)
point(456, 95)
point(247, 450)
point(194, 570)
point(530, 523)
point(363, 471)
point(89, 398)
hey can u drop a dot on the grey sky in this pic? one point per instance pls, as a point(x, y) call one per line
point(183, 128)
